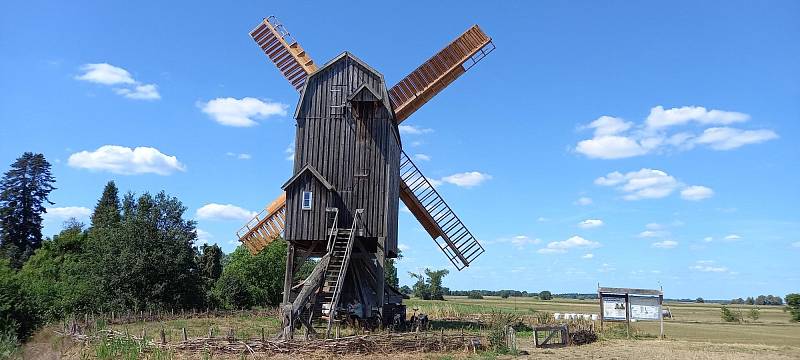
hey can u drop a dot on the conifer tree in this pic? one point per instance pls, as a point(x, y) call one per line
point(24, 192)
point(107, 211)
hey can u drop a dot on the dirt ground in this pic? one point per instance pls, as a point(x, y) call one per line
point(49, 346)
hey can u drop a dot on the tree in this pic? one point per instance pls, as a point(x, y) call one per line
point(406, 290)
point(420, 289)
point(435, 283)
point(390, 271)
point(750, 301)
point(107, 211)
point(253, 280)
point(17, 319)
point(210, 262)
point(149, 259)
point(57, 278)
point(699, 300)
point(24, 192)
point(738, 301)
point(545, 295)
point(793, 306)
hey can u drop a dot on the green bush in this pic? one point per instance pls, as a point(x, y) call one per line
point(253, 280)
point(728, 315)
point(754, 314)
point(793, 306)
point(475, 295)
point(18, 319)
point(545, 295)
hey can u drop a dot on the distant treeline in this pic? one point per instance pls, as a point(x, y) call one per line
point(517, 293)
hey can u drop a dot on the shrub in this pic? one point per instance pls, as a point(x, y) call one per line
point(545, 295)
point(498, 325)
point(582, 337)
point(793, 306)
point(754, 314)
point(729, 316)
point(475, 294)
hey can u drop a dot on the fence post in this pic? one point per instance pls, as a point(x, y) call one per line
point(262, 334)
point(163, 336)
point(184, 334)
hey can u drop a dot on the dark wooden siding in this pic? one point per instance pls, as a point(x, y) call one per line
point(304, 223)
point(354, 145)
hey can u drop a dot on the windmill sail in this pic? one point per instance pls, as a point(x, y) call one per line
point(265, 227)
point(284, 51)
point(439, 71)
point(438, 219)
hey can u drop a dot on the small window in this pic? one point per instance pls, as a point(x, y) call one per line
point(307, 196)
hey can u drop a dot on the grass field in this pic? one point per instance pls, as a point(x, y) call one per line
point(691, 322)
point(695, 332)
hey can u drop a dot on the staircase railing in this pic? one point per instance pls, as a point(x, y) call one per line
point(334, 229)
point(337, 292)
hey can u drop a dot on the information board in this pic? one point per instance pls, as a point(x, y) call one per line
point(645, 308)
point(614, 308)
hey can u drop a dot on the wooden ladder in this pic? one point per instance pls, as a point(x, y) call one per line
point(340, 251)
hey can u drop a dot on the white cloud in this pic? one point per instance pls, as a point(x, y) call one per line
point(651, 184)
point(105, 74)
point(696, 192)
point(615, 138)
point(650, 234)
point(289, 151)
point(422, 157)
point(642, 184)
point(520, 241)
point(413, 130)
point(610, 147)
point(587, 256)
point(403, 247)
point(708, 239)
point(732, 237)
point(555, 247)
point(241, 112)
point(583, 201)
point(241, 156)
point(708, 266)
point(608, 125)
point(654, 226)
point(606, 268)
point(660, 118)
point(590, 223)
point(796, 244)
point(542, 219)
point(204, 237)
point(140, 92)
point(66, 212)
point(214, 211)
point(725, 138)
point(466, 179)
point(126, 161)
point(666, 244)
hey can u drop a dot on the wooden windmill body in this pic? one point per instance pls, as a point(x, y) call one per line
point(350, 173)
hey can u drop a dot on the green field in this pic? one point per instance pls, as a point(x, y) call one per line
point(691, 321)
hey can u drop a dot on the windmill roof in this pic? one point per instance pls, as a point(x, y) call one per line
point(384, 98)
point(314, 172)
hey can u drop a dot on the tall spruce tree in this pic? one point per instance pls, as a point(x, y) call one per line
point(24, 192)
point(107, 211)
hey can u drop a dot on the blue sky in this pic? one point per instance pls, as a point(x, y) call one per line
point(619, 143)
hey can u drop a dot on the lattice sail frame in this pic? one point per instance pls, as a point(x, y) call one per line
point(284, 51)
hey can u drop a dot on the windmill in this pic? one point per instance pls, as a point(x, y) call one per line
point(350, 173)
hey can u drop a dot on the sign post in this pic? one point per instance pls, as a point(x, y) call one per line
point(624, 304)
